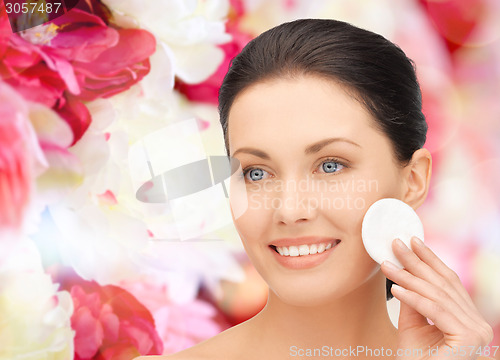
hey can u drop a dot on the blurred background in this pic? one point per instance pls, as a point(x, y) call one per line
point(98, 258)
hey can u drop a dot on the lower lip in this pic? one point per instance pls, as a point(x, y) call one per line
point(304, 261)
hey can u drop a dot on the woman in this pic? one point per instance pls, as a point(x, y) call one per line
point(325, 119)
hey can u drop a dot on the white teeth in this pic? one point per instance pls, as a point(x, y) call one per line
point(294, 251)
point(313, 249)
point(303, 250)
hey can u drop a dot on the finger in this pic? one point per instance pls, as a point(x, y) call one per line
point(442, 319)
point(446, 321)
point(427, 290)
point(431, 259)
point(447, 279)
point(419, 267)
point(445, 287)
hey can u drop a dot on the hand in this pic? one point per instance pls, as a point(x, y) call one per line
point(430, 289)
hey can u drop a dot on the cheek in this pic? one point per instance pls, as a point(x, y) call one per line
point(354, 195)
point(350, 201)
point(357, 195)
point(254, 219)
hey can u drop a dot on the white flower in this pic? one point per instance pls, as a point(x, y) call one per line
point(35, 317)
point(106, 234)
point(91, 230)
point(191, 29)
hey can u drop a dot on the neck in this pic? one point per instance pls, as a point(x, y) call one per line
point(359, 318)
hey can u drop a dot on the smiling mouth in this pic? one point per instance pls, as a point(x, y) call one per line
point(304, 250)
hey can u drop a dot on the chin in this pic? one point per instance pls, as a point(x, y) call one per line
point(308, 296)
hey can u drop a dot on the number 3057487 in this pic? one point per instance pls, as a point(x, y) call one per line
point(33, 7)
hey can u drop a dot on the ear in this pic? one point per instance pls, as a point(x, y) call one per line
point(417, 178)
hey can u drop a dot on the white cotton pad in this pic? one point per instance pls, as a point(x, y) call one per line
point(386, 220)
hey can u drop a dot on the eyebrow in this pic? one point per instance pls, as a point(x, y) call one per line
point(311, 149)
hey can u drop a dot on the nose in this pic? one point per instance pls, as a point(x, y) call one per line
point(293, 204)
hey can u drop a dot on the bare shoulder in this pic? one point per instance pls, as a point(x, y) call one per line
point(485, 358)
point(227, 345)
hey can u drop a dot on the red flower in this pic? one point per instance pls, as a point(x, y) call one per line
point(76, 57)
point(109, 322)
point(455, 21)
point(106, 60)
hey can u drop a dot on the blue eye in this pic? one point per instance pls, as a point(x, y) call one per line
point(331, 166)
point(256, 174)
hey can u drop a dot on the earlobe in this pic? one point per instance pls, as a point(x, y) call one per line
point(418, 176)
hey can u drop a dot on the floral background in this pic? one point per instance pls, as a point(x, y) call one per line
point(98, 102)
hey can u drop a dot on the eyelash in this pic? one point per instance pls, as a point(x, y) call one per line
point(246, 170)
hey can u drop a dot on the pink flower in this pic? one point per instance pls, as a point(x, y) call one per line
point(17, 149)
point(179, 325)
point(5, 32)
point(184, 325)
point(455, 21)
point(109, 322)
point(74, 58)
point(105, 60)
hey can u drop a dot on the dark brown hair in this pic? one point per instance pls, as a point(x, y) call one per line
point(372, 69)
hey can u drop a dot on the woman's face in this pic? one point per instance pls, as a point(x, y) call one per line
point(313, 164)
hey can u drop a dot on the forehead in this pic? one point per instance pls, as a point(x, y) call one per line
point(298, 110)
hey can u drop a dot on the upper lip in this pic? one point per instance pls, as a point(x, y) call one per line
point(304, 240)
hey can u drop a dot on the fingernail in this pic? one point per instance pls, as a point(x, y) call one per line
point(398, 288)
point(402, 245)
point(418, 241)
point(391, 265)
